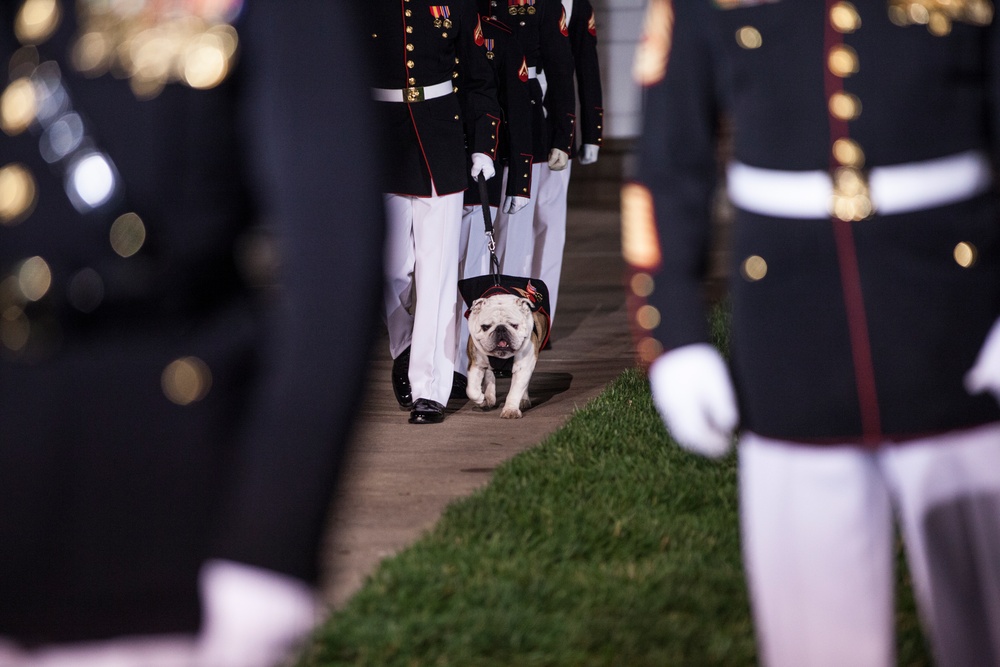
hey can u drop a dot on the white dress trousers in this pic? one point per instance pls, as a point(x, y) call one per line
point(421, 287)
point(515, 234)
point(549, 230)
point(818, 529)
point(173, 651)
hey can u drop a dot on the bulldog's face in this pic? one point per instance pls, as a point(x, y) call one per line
point(501, 324)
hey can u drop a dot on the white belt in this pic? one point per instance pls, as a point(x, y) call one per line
point(532, 72)
point(900, 188)
point(413, 94)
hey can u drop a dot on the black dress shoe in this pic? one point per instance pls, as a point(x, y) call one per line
point(426, 411)
point(401, 379)
point(458, 385)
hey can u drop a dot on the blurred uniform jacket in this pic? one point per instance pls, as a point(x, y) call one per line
point(541, 30)
point(583, 41)
point(858, 328)
point(514, 94)
point(158, 406)
point(415, 45)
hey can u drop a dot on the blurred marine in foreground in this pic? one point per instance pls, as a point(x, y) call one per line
point(865, 284)
point(183, 207)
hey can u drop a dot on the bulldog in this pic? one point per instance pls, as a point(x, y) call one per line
point(504, 326)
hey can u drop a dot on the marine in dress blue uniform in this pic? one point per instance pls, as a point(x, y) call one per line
point(865, 258)
point(161, 388)
point(515, 139)
point(549, 226)
point(541, 29)
point(515, 155)
point(420, 51)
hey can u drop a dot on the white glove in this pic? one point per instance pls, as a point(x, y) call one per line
point(985, 373)
point(252, 617)
point(588, 154)
point(514, 204)
point(558, 159)
point(694, 396)
point(481, 162)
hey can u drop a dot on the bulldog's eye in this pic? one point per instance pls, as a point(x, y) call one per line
point(513, 326)
point(485, 327)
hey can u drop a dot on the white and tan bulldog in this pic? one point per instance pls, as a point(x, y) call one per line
point(504, 326)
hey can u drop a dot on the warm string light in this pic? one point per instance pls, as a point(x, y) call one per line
point(155, 44)
point(152, 43)
point(938, 15)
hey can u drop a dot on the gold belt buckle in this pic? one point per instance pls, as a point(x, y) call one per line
point(414, 94)
point(851, 200)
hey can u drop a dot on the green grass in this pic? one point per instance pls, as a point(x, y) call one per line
point(604, 545)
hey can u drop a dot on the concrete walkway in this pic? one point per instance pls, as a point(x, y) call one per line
point(400, 476)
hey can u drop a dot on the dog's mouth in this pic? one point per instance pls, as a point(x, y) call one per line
point(501, 349)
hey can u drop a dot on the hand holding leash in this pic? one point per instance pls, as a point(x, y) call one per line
point(482, 164)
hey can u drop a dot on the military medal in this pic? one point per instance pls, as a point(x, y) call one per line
point(489, 47)
point(440, 14)
point(531, 6)
point(512, 7)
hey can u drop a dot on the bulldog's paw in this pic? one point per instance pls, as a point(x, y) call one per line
point(510, 413)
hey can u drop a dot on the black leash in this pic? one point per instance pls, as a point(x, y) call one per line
point(484, 198)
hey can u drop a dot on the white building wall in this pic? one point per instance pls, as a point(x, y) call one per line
point(619, 25)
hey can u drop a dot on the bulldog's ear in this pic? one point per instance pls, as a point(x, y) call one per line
point(477, 305)
point(525, 305)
